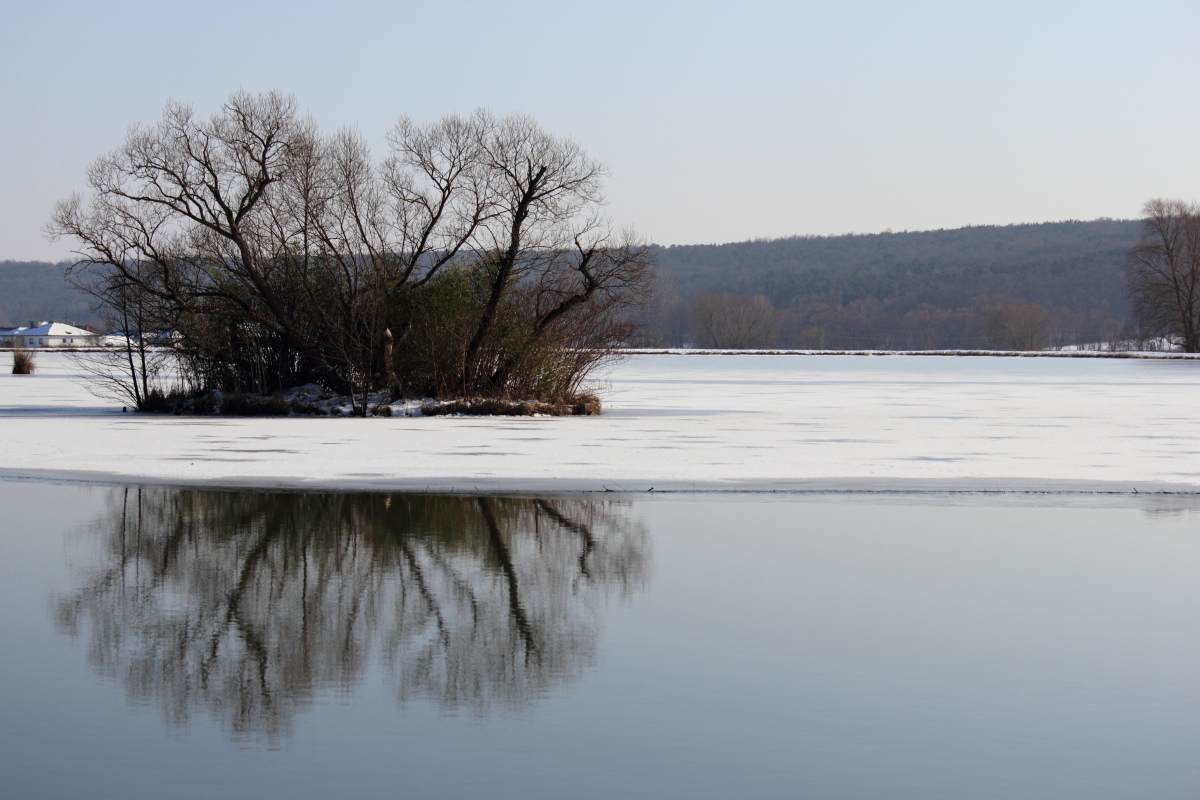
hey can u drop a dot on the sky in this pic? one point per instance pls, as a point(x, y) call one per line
point(717, 121)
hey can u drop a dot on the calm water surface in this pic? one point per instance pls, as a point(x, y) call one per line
point(176, 643)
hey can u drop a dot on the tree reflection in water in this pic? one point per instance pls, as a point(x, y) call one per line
point(246, 604)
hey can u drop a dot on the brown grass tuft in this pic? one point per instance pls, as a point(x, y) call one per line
point(492, 407)
point(586, 405)
point(23, 363)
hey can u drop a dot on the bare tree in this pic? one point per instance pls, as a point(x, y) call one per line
point(132, 367)
point(177, 214)
point(1025, 326)
point(736, 321)
point(1164, 272)
point(539, 184)
point(571, 299)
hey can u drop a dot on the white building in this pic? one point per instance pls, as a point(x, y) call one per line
point(8, 336)
point(49, 334)
point(118, 339)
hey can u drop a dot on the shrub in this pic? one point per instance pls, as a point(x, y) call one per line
point(23, 363)
point(437, 321)
point(203, 404)
point(307, 409)
point(250, 405)
point(156, 402)
point(177, 401)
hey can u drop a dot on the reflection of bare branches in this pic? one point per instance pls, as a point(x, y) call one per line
point(247, 605)
point(589, 543)
point(504, 560)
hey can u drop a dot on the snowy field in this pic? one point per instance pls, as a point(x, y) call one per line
point(673, 422)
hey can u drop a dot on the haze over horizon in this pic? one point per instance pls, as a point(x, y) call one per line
point(719, 123)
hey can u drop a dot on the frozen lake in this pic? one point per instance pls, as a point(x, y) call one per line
point(911, 423)
point(192, 643)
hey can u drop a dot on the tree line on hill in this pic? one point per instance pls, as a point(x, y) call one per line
point(39, 290)
point(989, 287)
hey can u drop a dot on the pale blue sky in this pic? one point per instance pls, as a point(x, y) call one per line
point(718, 121)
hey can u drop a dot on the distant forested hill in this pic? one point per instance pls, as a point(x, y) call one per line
point(38, 290)
point(989, 286)
point(1072, 264)
point(857, 290)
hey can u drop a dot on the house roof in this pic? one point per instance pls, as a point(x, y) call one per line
point(55, 329)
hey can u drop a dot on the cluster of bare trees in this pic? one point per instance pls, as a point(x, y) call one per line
point(472, 260)
point(1164, 272)
point(738, 321)
point(243, 605)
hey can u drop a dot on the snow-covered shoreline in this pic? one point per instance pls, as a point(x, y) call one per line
point(1077, 353)
point(707, 423)
point(702, 351)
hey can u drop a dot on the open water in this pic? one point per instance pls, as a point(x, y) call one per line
point(173, 643)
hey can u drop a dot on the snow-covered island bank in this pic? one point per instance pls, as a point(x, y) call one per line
point(758, 423)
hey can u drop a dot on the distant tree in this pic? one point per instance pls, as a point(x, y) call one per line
point(1164, 272)
point(129, 368)
point(1024, 326)
point(927, 327)
point(736, 321)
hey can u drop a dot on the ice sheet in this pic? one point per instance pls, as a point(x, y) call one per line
point(674, 423)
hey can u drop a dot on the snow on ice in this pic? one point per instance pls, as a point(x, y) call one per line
point(673, 423)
